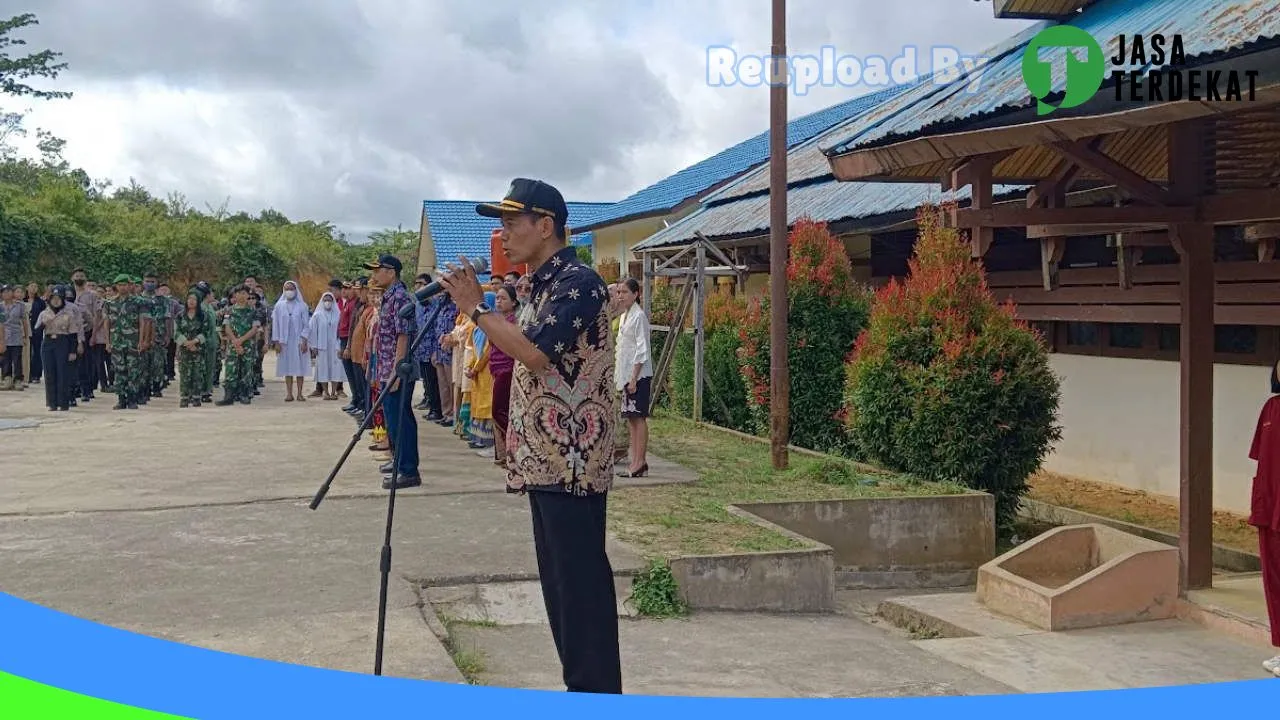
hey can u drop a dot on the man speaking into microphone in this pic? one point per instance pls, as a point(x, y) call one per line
point(560, 437)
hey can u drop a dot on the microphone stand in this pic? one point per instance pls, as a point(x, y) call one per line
point(403, 371)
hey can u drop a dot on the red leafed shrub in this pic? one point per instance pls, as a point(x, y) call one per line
point(946, 383)
point(828, 310)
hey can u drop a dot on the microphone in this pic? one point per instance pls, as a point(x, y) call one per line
point(480, 265)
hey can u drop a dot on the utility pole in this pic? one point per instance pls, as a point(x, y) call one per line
point(779, 377)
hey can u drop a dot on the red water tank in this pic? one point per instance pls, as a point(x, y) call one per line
point(498, 263)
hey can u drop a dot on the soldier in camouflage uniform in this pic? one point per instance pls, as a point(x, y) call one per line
point(223, 307)
point(209, 351)
point(263, 316)
point(240, 330)
point(190, 334)
point(125, 317)
point(153, 362)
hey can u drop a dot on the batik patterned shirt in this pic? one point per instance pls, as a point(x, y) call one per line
point(392, 326)
point(561, 430)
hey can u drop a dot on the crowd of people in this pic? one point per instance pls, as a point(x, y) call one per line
point(134, 338)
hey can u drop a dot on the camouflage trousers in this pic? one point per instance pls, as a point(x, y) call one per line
point(128, 368)
point(240, 381)
point(209, 355)
point(192, 372)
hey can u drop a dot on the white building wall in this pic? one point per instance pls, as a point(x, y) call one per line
point(1120, 420)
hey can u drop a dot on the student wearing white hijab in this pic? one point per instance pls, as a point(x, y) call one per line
point(322, 335)
point(290, 325)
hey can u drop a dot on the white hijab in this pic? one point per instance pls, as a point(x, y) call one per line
point(289, 315)
point(324, 323)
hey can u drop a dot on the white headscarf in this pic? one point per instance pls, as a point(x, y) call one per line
point(290, 318)
point(324, 323)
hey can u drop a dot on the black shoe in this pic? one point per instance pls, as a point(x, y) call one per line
point(64, 408)
point(195, 402)
point(402, 483)
point(183, 403)
point(132, 406)
point(447, 422)
point(244, 401)
point(225, 401)
point(433, 417)
point(118, 406)
point(207, 397)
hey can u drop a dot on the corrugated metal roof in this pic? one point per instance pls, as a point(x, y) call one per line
point(807, 161)
point(1207, 27)
point(456, 229)
point(670, 192)
point(829, 201)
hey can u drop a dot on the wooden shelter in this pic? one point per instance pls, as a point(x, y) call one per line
point(1189, 182)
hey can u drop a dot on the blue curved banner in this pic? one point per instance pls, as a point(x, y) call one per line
point(42, 649)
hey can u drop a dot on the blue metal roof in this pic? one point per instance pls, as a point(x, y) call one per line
point(1208, 28)
point(456, 229)
point(666, 194)
point(826, 201)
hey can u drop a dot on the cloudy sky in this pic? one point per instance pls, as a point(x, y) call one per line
point(355, 111)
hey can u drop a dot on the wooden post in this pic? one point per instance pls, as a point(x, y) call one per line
point(779, 379)
point(699, 336)
point(647, 288)
point(1194, 243)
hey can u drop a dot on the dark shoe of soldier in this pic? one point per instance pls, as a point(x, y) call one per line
point(183, 403)
point(226, 400)
point(120, 405)
point(207, 397)
point(133, 405)
point(244, 401)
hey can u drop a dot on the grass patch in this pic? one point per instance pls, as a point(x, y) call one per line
point(469, 661)
point(666, 521)
point(1135, 506)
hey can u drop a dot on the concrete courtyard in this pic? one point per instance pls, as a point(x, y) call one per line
point(193, 525)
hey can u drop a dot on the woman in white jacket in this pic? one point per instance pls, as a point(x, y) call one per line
point(633, 372)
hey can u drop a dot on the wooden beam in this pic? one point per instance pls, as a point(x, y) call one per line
point(1063, 175)
point(1126, 261)
point(1263, 293)
point(1267, 250)
point(1262, 231)
point(974, 169)
point(1016, 217)
point(1189, 180)
point(1242, 206)
point(1131, 182)
point(1043, 231)
point(1051, 250)
point(981, 238)
point(1266, 315)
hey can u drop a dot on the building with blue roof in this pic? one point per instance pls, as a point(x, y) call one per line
point(621, 225)
point(450, 228)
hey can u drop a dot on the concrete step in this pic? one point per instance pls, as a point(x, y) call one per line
point(949, 615)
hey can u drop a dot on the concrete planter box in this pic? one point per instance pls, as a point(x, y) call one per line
point(933, 541)
point(900, 542)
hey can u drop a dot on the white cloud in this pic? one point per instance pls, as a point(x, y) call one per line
point(355, 113)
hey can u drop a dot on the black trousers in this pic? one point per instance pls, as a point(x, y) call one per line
point(54, 356)
point(88, 366)
point(11, 362)
point(37, 360)
point(106, 371)
point(577, 587)
point(430, 387)
point(170, 356)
